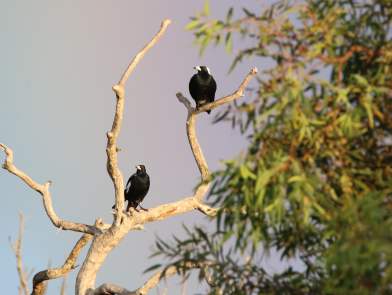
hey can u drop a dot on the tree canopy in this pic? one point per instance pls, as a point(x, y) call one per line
point(315, 182)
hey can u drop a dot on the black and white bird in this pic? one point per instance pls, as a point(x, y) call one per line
point(202, 86)
point(137, 188)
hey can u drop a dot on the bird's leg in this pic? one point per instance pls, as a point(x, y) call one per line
point(144, 209)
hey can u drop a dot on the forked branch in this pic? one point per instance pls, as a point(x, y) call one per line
point(121, 225)
point(41, 277)
point(111, 147)
point(191, 120)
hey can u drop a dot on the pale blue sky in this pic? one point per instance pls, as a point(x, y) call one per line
point(58, 61)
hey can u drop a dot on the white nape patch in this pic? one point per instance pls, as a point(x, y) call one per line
point(197, 68)
point(208, 70)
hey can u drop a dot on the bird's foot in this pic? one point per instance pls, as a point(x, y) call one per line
point(144, 209)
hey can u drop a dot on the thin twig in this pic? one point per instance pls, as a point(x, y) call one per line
point(132, 65)
point(17, 249)
point(63, 285)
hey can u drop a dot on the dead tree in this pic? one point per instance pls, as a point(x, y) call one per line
point(105, 237)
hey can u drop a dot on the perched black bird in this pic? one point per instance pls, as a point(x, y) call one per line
point(202, 86)
point(137, 188)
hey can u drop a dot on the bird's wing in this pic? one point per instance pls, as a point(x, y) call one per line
point(212, 90)
point(193, 87)
point(129, 183)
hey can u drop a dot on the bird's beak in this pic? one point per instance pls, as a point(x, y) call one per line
point(137, 167)
point(197, 68)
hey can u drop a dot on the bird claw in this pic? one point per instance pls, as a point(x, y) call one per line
point(144, 209)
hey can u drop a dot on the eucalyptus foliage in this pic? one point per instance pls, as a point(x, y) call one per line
point(315, 183)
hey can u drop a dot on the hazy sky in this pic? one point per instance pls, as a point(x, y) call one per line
point(59, 60)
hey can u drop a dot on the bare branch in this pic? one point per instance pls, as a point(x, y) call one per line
point(181, 98)
point(207, 210)
point(151, 283)
point(141, 54)
point(111, 148)
point(196, 149)
point(43, 189)
point(168, 210)
point(41, 277)
point(192, 138)
point(17, 248)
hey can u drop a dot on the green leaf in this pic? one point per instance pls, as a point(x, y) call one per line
point(229, 15)
point(342, 95)
point(275, 206)
point(248, 12)
point(367, 104)
point(361, 80)
point(193, 25)
point(229, 43)
point(206, 8)
point(297, 178)
point(203, 44)
point(246, 173)
point(153, 267)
